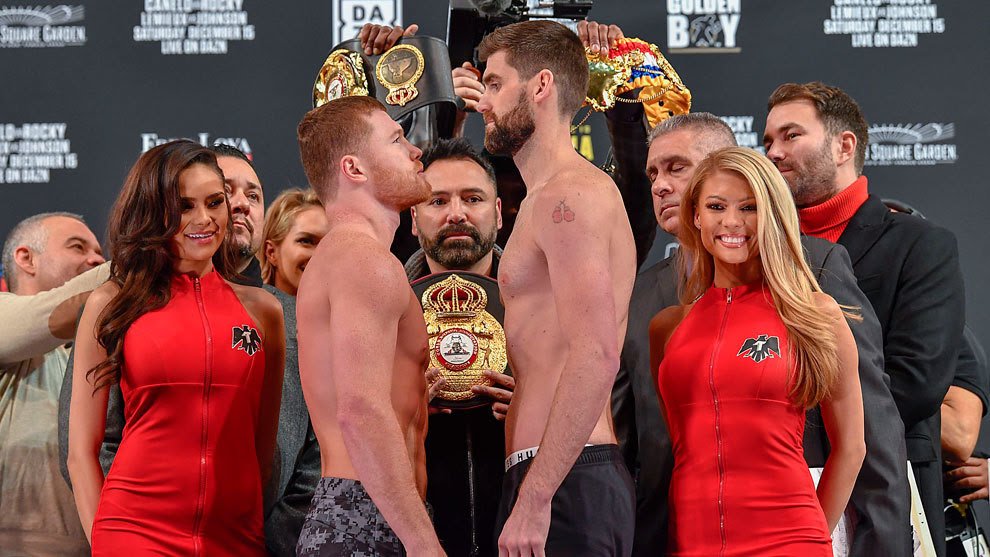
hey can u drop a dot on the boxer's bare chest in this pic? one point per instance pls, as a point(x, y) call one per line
point(522, 270)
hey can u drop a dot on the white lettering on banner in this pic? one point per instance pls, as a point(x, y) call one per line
point(677, 32)
point(911, 144)
point(350, 15)
point(742, 128)
point(691, 7)
point(41, 26)
point(30, 151)
point(193, 5)
point(703, 26)
point(193, 26)
point(151, 139)
point(883, 24)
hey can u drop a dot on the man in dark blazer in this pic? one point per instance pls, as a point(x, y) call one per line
point(880, 497)
point(906, 266)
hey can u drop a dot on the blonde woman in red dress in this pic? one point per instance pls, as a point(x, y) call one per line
point(755, 344)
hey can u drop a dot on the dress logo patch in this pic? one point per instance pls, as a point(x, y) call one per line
point(247, 339)
point(760, 348)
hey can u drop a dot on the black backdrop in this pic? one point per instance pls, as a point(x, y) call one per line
point(114, 77)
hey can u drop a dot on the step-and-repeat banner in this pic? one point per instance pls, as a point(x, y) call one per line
point(85, 87)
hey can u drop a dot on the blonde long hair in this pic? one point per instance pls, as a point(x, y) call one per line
point(281, 214)
point(792, 285)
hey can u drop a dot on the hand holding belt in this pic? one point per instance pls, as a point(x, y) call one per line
point(635, 64)
point(412, 74)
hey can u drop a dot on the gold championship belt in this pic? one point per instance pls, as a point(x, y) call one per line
point(342, 75)
point(399, 69)
point(465, 337)
point(634, 64)
point(412, 74)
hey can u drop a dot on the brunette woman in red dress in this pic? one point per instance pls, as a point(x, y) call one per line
point(755, 345)
point(199, 361)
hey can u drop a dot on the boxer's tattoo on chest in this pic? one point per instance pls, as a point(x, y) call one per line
point(562, 213)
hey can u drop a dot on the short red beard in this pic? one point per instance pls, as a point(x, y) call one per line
point(400, 190)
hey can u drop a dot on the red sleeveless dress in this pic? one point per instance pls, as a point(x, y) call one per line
point(186, 479)
point(740, 484)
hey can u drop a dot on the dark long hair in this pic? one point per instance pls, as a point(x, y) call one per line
point(143, 221)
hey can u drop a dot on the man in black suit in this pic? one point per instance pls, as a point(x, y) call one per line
point(880, 497)
point(906, 266)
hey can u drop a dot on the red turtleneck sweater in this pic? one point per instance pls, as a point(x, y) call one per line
point(829, 219)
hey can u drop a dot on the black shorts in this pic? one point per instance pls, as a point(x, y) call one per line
point(594, 509)
point(344, 521)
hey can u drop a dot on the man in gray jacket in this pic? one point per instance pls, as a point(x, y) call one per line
point(880, 498)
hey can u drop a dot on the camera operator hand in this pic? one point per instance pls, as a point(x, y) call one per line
point(376, 39)
point(598, 36)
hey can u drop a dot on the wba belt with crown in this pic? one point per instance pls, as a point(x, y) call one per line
point(463, 315)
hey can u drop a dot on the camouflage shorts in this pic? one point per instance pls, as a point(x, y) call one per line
point(344, 521)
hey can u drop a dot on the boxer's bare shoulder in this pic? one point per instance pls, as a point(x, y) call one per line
point(576, 212)
point(351, 258)
point(560, 217)
point(577, 198)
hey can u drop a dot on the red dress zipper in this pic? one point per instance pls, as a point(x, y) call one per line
point(204, 435)
point(718, 430)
